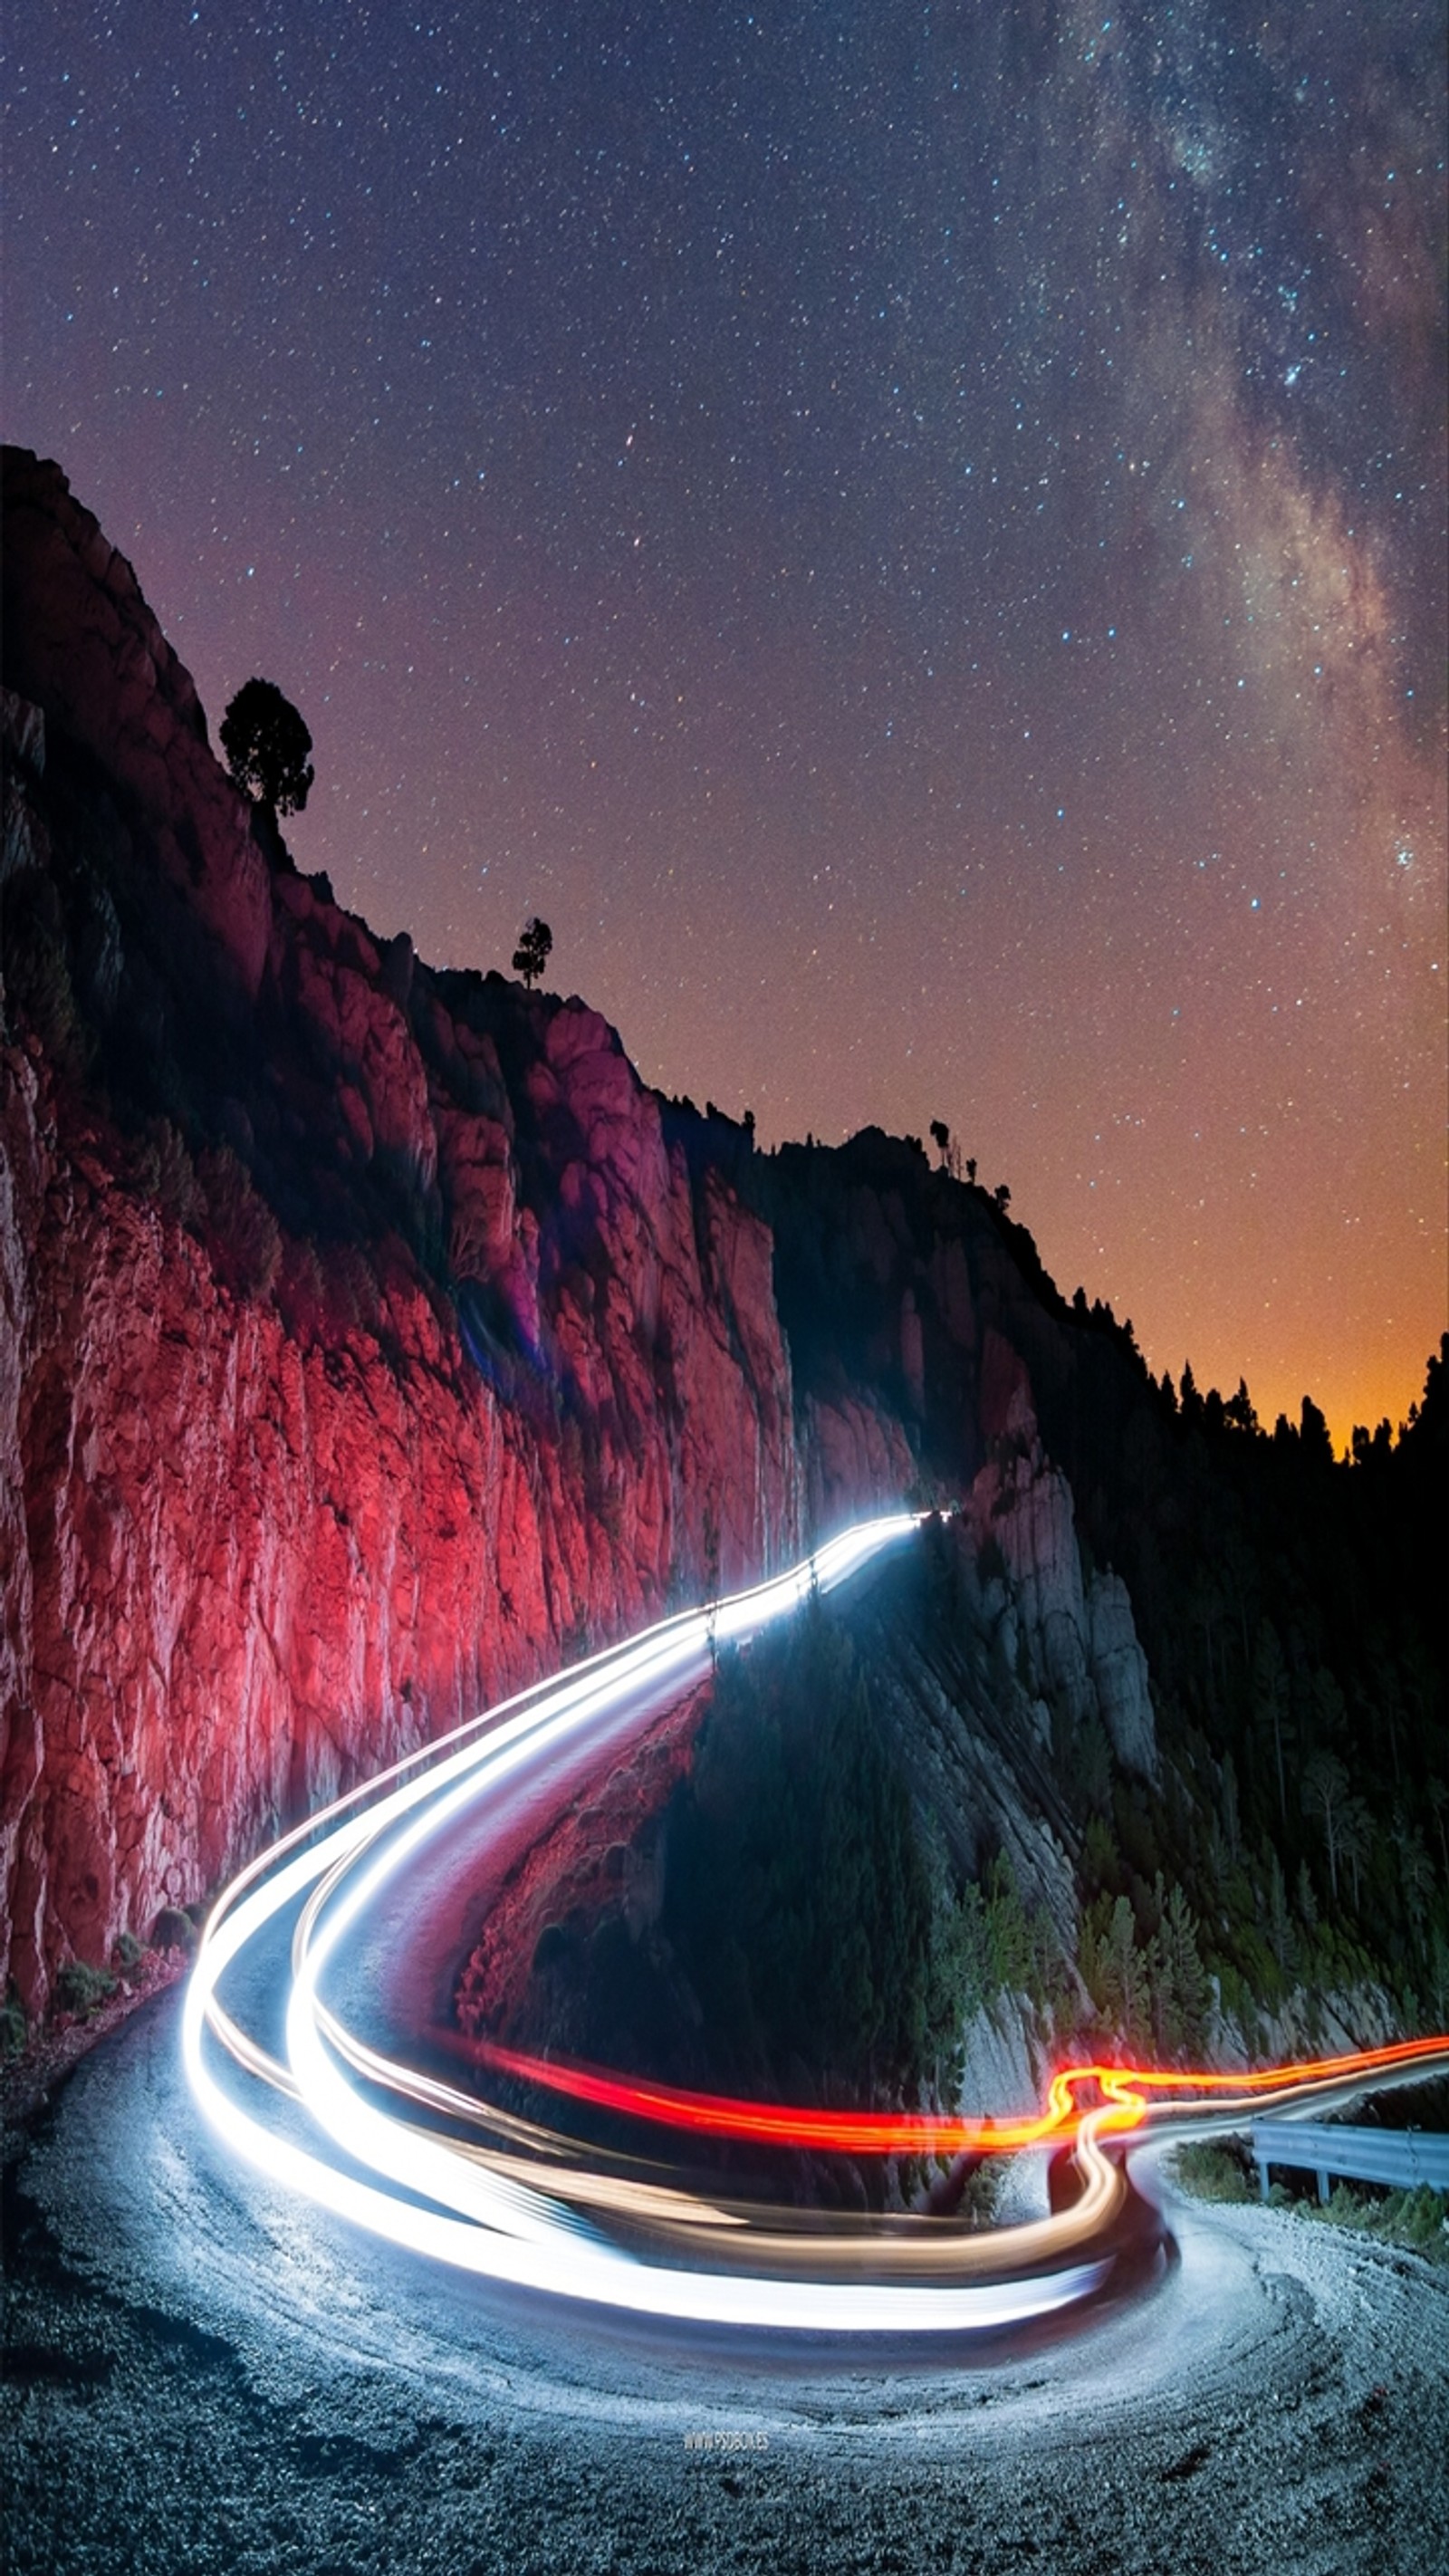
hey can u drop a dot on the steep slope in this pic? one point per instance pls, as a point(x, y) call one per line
point(370, 1336)
point(364, 1339)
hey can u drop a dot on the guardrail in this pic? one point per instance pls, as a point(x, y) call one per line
point(1400, 2157)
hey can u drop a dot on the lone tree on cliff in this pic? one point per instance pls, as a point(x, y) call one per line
point(947, 1147)
point(267, 746)
point(531, 955)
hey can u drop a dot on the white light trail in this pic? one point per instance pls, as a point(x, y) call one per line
point(441, 2197)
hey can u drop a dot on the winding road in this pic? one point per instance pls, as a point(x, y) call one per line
point(231, 2342)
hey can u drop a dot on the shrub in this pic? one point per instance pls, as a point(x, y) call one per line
point(1418, 2219)
point(246, 1241)
point(168, 1174)
point(1212, 2171)
point(82, 1990)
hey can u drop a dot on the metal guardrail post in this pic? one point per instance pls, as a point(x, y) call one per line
point(1397, 2159)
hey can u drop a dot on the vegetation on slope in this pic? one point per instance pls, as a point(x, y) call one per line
point(830, 1950)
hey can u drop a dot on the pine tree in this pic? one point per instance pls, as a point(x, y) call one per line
point(1180, 1991)
point(1125, 1974)
point(1280, 1921)
point(1270, 1700)
point(1325, 1790)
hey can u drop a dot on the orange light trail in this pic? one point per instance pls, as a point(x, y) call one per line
point(518, 2204)
point(1123, 2089)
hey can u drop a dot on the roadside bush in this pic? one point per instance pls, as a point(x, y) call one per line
point(1418, 2219)
point(82, 1990)
point(1213, 2170)
point(14, 2029)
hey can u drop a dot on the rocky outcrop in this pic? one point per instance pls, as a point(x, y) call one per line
point(252, 1548)
point(1119, 1675)
point(371, 1337)
point(1078, 1641)
point(602, 1860)
point(81, 643)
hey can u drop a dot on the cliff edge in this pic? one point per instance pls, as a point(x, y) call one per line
point(370, 1337)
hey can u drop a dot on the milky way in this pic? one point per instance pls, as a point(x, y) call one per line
point(913, 535)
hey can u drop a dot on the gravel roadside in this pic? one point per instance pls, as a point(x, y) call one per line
point(199, 2377)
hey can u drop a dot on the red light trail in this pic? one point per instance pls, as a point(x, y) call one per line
point(519, 2204)
point(774, 2124)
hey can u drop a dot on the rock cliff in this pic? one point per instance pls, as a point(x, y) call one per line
point(372, 1336)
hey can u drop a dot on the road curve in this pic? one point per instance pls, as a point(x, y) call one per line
point(209, 2369)
point(466, 2183)
point(208, 2373)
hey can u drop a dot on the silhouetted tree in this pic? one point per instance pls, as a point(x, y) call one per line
point(1325, 1794)
point(1313, 1433)
point(1002, 1195)
point(267, 747)
point(1280, 1921)
point(1415, 1870)
point(1270, 1699)
point(531, 955)
point(1354, 1836)
point(971, 1168)
point(1239, 1411)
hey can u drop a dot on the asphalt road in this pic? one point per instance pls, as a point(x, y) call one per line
point(205, 2375)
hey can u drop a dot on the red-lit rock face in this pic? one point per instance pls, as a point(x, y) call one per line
point(251, 1552)
point(369, 1338)
point(603, 1853)
point(243, 1567)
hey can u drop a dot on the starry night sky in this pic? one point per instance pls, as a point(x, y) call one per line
point(912, 534)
